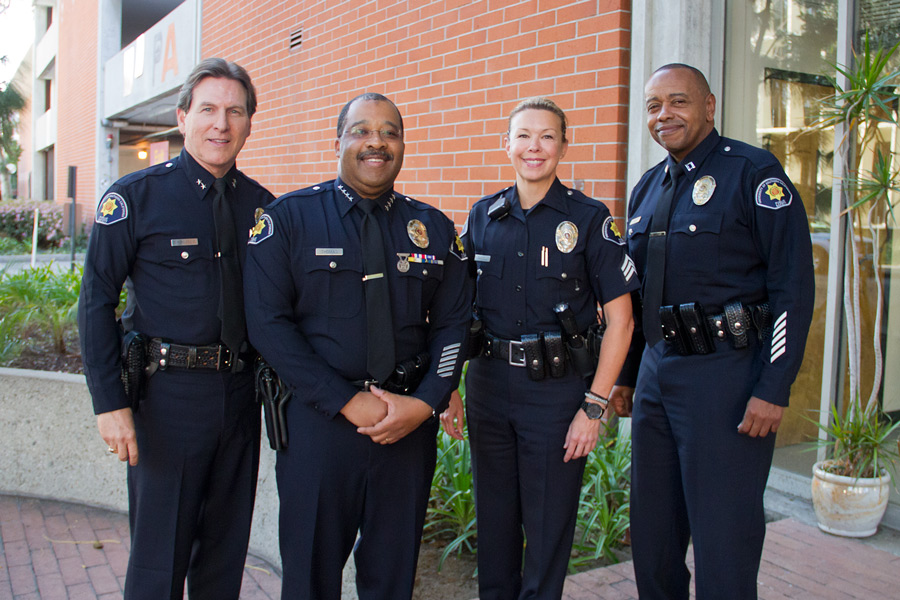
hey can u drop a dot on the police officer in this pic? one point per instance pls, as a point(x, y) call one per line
point(728, 298)
point(193, 444)
point(333, 311)
point(533, 417)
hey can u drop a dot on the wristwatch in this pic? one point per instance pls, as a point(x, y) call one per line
point(594, 410)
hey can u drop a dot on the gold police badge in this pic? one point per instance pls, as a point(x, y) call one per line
point(703, 190)
point(417, 233)
point(566, 236)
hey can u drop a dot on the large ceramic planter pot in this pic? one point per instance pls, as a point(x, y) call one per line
point(848, 506)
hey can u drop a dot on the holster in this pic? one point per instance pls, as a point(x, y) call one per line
point(476, 338)
point(556, 354)
point(274, 395)
point(134, 359)
point(408, 374)
point(534, 356)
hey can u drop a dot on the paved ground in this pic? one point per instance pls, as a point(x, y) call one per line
point(55, 551)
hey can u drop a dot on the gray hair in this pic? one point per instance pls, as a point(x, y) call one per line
point(368, 97)
point(219, 68)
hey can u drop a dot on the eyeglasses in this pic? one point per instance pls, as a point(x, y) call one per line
point(361, 133)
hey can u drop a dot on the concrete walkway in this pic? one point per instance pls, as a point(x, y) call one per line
point(55, 551)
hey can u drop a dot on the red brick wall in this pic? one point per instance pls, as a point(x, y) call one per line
point(76, 98)
point(454, 71)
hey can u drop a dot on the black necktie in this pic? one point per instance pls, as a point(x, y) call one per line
point(654, 281)
point(231, 297)
point(380, 358)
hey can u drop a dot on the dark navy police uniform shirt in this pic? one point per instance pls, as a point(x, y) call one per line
point(155, 226)
point(738, 232)
point(306, 310)
point(566, 248)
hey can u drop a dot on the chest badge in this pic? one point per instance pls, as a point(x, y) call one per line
point(417, 233)
point(403, 262)
point(703, 190)
point(566, 236)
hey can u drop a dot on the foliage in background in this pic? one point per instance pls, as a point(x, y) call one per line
point(11, 102)
point(603, 509)
point(17, 222)
point(41, 297)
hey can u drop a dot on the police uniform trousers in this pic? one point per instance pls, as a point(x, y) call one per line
point(694, 476)
point(517, 428)
point(191, 495)
point(334, 482)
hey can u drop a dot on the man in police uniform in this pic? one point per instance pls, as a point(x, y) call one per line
point(730, 289)
point(192, 445)
point(361, 444)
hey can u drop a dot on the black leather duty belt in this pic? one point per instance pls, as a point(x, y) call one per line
point(541, 354)
point(216, 357)
point(512, 351)
point(688, 328)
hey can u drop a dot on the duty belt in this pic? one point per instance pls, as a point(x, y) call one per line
point(688, 328)
point(216, 357)
point(540, 353)
point(405, 379)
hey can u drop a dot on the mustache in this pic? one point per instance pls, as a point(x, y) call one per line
point(375, 154)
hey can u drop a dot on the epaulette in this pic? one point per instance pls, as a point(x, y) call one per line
point(314, 190)
point(163, 168)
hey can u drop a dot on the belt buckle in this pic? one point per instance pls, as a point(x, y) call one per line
point(368, 383)
point(515, 348)
point(220, 363)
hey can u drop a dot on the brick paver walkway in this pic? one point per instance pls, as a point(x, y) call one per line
point(53, 550)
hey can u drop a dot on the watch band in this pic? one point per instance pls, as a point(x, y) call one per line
point(596, 398)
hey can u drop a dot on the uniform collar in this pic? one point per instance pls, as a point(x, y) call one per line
point(201, 180)
point(556, 198)
point(691, 163)
point(347, 197)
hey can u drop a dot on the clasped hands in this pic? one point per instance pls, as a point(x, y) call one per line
point(385, 417)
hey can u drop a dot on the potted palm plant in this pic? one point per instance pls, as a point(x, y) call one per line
point(851, 487)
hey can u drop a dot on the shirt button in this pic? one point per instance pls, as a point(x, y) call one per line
point(564, 276)
point(184, 255)
point(520, 253)
point(332, 264)
point(480, 271)
point(693, 227)
point(519, 323)
point(630, 231)
point(518, 288)
point(425, 272)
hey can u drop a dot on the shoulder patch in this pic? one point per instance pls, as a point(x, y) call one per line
point(611, 232)
point(773, 193)
point(111, 209)
point(263, 229)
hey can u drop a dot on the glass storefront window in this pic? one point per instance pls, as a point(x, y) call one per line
point(776, 53)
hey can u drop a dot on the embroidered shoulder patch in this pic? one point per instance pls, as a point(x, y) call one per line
point(611, 232)
point(263, 229)
point(773, 193)
point(111, 209)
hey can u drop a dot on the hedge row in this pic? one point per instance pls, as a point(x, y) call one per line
point(17, 222)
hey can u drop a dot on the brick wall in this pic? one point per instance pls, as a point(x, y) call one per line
point(76, 95)
point(455, 69)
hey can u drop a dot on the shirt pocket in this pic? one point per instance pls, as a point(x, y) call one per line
point(562, 280)
point(333, 284)
point(415, 289)
point(489, 281)
point(186, 272)
point(694, 242)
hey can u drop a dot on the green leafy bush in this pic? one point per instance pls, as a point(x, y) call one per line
point(17, 222)
point(42, 297)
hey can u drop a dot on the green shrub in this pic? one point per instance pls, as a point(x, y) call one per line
point(17, 222)
point(43, 297)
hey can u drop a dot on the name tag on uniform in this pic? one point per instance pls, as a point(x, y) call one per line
point(329, 251)
point(184, 242)
point(482, 258)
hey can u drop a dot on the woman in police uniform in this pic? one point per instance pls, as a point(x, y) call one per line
point(533, 417)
